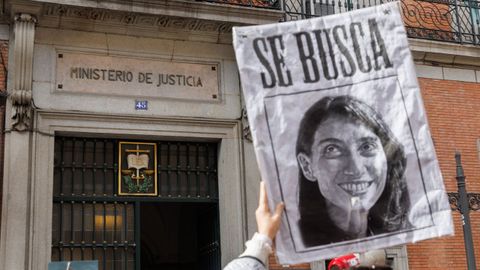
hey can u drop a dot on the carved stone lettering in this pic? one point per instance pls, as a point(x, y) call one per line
point(122, 76)
point(135, 19)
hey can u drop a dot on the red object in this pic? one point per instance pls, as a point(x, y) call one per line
point(344, 262)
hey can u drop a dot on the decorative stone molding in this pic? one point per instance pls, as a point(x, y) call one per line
point(473, 201)
point(21, 96)
point(137, 19)
point(230, 170)
point(247, 134)
point(444, 53)
point(217, 10)
point(21, 109)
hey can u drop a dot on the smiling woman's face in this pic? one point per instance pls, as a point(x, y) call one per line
point(348, 162)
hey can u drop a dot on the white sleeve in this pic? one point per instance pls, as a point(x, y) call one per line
point(260, 246)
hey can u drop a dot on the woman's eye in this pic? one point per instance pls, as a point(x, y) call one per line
point(368, 148)
point(331, 151)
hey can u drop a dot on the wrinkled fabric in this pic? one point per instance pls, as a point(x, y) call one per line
point(245, 263)
point(355, 70)
point(255, 255)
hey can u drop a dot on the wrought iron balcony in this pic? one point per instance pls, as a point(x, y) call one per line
point(455, 21)
point(451, 20)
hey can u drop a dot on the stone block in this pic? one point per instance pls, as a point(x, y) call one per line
point(440, 58)
point(467, 60)
point(140, 45)
point(418, 56)
point(424, 71)
point(79, 39)
point(4, 32)
point(43, 56)
point(205, 50)
point(457, 74)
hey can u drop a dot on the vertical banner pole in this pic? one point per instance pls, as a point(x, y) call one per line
point(464, 211)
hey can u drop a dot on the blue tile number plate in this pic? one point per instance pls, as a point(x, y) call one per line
point(141, 105)
point(73, 265)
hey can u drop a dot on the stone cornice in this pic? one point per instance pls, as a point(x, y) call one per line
point(112, 117)
point(444, 53)
point(176, 8)
point(170, 19)
point(49, 122)
point(52, 13)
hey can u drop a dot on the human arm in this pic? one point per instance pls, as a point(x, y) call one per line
point(260, 246)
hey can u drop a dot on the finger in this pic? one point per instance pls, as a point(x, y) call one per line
point(279, 209)
point(262, 201)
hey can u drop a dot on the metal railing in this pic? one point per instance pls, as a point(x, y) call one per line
point(441, 20)
point(456, 21)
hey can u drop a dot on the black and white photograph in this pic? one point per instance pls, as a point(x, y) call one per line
point(351, 172)
point(340, 134)
point(351, 179)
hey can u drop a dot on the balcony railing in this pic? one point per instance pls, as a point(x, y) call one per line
point(455, 21)
point(443, 20)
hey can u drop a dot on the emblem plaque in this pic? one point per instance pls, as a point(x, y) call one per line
point(137, 172)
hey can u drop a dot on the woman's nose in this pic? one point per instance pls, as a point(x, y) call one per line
point(354, 166)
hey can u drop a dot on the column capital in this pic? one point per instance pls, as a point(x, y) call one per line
point(25, 17)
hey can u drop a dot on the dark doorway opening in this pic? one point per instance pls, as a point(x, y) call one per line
point(179, 236)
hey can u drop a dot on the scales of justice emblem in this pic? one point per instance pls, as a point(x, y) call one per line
point(137, 172)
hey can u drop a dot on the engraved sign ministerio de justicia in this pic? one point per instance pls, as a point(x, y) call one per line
point(137, 77)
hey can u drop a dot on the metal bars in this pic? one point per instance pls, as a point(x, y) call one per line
point(304, 9)
point(451, 21)
point(91, 222)
point(187, 171)
point(455, 21)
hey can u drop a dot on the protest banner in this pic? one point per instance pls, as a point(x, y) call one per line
point(340, 133)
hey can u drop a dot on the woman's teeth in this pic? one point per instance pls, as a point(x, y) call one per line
point(355, 187)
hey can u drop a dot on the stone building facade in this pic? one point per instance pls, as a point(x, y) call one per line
point(86, 78)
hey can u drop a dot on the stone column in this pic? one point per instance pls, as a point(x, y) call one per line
point(21, 96)
point(16, 232)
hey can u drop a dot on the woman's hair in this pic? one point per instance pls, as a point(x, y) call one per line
point(389, 212)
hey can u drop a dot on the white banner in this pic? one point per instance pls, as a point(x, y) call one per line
point(340, 133)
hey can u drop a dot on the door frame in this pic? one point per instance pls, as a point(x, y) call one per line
point(230, 168)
